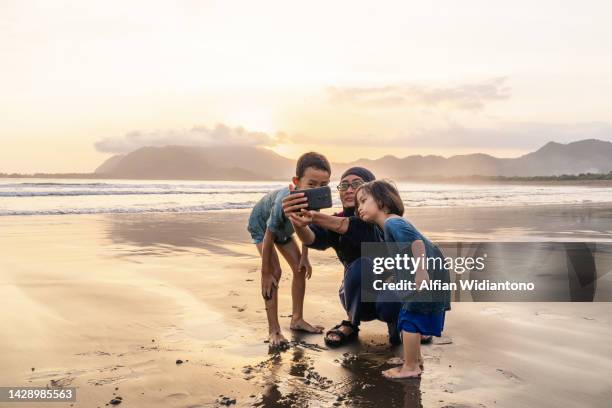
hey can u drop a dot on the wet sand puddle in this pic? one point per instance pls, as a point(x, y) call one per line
point(307, 374)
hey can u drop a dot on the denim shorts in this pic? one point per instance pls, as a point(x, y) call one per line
point(257, 229)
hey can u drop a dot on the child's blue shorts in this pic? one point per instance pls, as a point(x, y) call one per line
point(427, 324)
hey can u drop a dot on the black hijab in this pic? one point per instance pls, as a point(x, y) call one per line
point(361, 172)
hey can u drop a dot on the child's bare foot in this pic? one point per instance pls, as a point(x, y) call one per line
point(303, 325)
point(400, 361)
point(402, 372)
point(277, 339)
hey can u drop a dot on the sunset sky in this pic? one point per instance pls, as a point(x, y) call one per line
point(82, 80)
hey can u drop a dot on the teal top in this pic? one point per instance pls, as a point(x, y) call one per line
point(402, 232)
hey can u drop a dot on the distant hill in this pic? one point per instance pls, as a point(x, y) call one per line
point(251, 163)
point(110, 164)
point(204, 163)
point(553, 159)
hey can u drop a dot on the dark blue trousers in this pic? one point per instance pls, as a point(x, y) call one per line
point(385, 308)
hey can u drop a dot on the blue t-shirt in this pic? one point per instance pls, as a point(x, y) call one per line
point(401, 231)
point(268, 214)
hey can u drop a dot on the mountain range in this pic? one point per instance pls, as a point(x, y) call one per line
point(253, 163)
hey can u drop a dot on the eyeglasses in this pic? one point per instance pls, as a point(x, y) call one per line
point(345, 185)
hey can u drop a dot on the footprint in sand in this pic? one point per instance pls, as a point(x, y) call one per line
point(509, 374)
point(105, 381)
point(94, 353)
point(491, 311)
point(61, 382)
point(442, 340)
point(177, 396)
point(550, 316)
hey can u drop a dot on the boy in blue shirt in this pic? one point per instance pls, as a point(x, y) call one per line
point(270, 229)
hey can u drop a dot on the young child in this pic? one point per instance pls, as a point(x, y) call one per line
point(379, 202)
point(269, 227)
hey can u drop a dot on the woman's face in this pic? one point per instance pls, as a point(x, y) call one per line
point(368, 207)
point(348, 196)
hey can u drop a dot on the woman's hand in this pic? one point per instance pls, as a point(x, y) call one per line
point(305, 266)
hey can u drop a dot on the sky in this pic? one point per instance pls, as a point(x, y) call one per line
point(83, 80)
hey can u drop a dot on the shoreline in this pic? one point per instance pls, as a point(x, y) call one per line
point(414, 209)
point(456, 181)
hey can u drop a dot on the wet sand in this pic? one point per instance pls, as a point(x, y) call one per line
point(108, 304)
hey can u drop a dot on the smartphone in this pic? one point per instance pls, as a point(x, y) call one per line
point(318, 198)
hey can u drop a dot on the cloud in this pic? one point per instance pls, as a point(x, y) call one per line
point(471, 97)
point(504, 136)
point(517, 135)
point(196, 136)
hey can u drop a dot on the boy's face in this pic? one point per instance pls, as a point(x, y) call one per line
point(312, 178)
point(368, 209)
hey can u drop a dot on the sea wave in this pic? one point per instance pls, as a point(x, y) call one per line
point(132, 210)
point(216, 186)
point(119, 192)
point(78, 196)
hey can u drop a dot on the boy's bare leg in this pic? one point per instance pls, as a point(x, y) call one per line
point(291, 253)
point(275, 335)
point(412, 352)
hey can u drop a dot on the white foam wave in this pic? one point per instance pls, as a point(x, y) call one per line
point(132, 210)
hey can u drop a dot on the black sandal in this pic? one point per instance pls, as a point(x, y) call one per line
point(344, 338)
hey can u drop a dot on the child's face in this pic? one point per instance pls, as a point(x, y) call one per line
point(312, 178)
point(368, 207)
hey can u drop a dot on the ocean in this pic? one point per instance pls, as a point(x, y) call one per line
point(27, 196)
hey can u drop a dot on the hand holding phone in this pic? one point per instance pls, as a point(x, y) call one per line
point(318, 198)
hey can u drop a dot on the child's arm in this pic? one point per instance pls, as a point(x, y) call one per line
point(268, 279)
point(300, 226)
point(305, 262)
point(294, 208)
point(418, 251)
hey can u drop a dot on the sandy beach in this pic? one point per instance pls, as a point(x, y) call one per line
point(109, 304)
point(151, 156)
